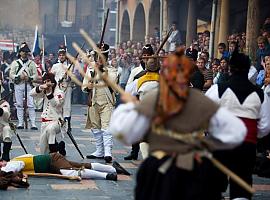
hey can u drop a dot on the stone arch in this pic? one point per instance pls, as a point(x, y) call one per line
point(139, 27)
point(154, 17)
point(125, 27)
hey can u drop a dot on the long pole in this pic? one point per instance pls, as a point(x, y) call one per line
point(25, 105)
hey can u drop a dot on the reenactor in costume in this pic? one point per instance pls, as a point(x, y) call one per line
point(5, 130)
point(137, 72)
point(251, 105)
point(59, 70)
point(172, 119)
point(56, 163)
point(144, 81)
point(52, 122)
point(38, 101)
point(24, 70)
point(101, 104)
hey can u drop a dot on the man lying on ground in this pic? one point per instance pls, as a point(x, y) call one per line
point(55, 163)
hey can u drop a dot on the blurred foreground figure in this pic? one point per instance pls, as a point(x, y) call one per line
point(172, 120)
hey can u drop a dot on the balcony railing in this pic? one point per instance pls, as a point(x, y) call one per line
point(66, 24)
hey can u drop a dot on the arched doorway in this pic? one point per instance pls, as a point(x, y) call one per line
point(125, 27)
point(154, 18)
point(139, 24)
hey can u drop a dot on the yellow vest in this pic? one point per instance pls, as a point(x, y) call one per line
point(28, 161)
point(149, 76)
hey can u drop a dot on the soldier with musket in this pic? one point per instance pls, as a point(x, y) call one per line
point(23, 71)
point(59, 70)
point(101, 104)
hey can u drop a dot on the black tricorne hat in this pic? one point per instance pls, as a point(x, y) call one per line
point(147, 50)
point(24, 47)
point(105, 48)
point(62, 49)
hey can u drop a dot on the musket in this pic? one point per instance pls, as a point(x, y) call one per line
point(100, 44)
point(70, 65)
point(164, 41)
point(74, 142)
point(13, 127)
point(25, 105)
point(104, 28)
point(161, 46)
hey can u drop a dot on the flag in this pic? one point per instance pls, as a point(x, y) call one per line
point(36, 48)
point(43, 64)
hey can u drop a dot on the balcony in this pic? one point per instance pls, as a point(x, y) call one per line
point(66, 24)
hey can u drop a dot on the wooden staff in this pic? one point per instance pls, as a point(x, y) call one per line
point(231, 174)
point(190, 139)
point(77, 178)
point(104, 76)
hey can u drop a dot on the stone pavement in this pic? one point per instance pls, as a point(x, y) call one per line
point(51, 188)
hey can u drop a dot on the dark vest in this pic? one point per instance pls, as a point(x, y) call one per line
point(195, 116)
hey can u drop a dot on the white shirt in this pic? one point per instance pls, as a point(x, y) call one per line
point(53, 104)
point(13, 166)
point(133, 89)
point(59, 69)
point(131, 126)
point(247, 109)
point(133, 73)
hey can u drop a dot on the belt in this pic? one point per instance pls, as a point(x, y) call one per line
point(45, 120)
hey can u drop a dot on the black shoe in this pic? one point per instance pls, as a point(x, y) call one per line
point(131, 157)
point(119, 169)
point(111, 176)
point(53, 148)
point(93, 157)
point(6, 150)
point(108, 159)
point(61, 148)
point(20, 127)
point(34, 128)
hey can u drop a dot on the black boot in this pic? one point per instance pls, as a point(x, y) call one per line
point(53, 148)
point(119, 169)
point(6, 150)
point(108, 159)
point(134, 152)
point(111, 176)
point(61, 148)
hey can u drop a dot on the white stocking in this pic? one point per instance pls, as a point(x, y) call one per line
point(103, 168)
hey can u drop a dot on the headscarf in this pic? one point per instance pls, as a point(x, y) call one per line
point(174, 86)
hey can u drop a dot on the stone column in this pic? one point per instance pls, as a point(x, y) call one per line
point(117, 32)
point(252, 28)
point(224, 21)
point(217, 24)
point(191, 22)
point(147, 32)
point(161, 19)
